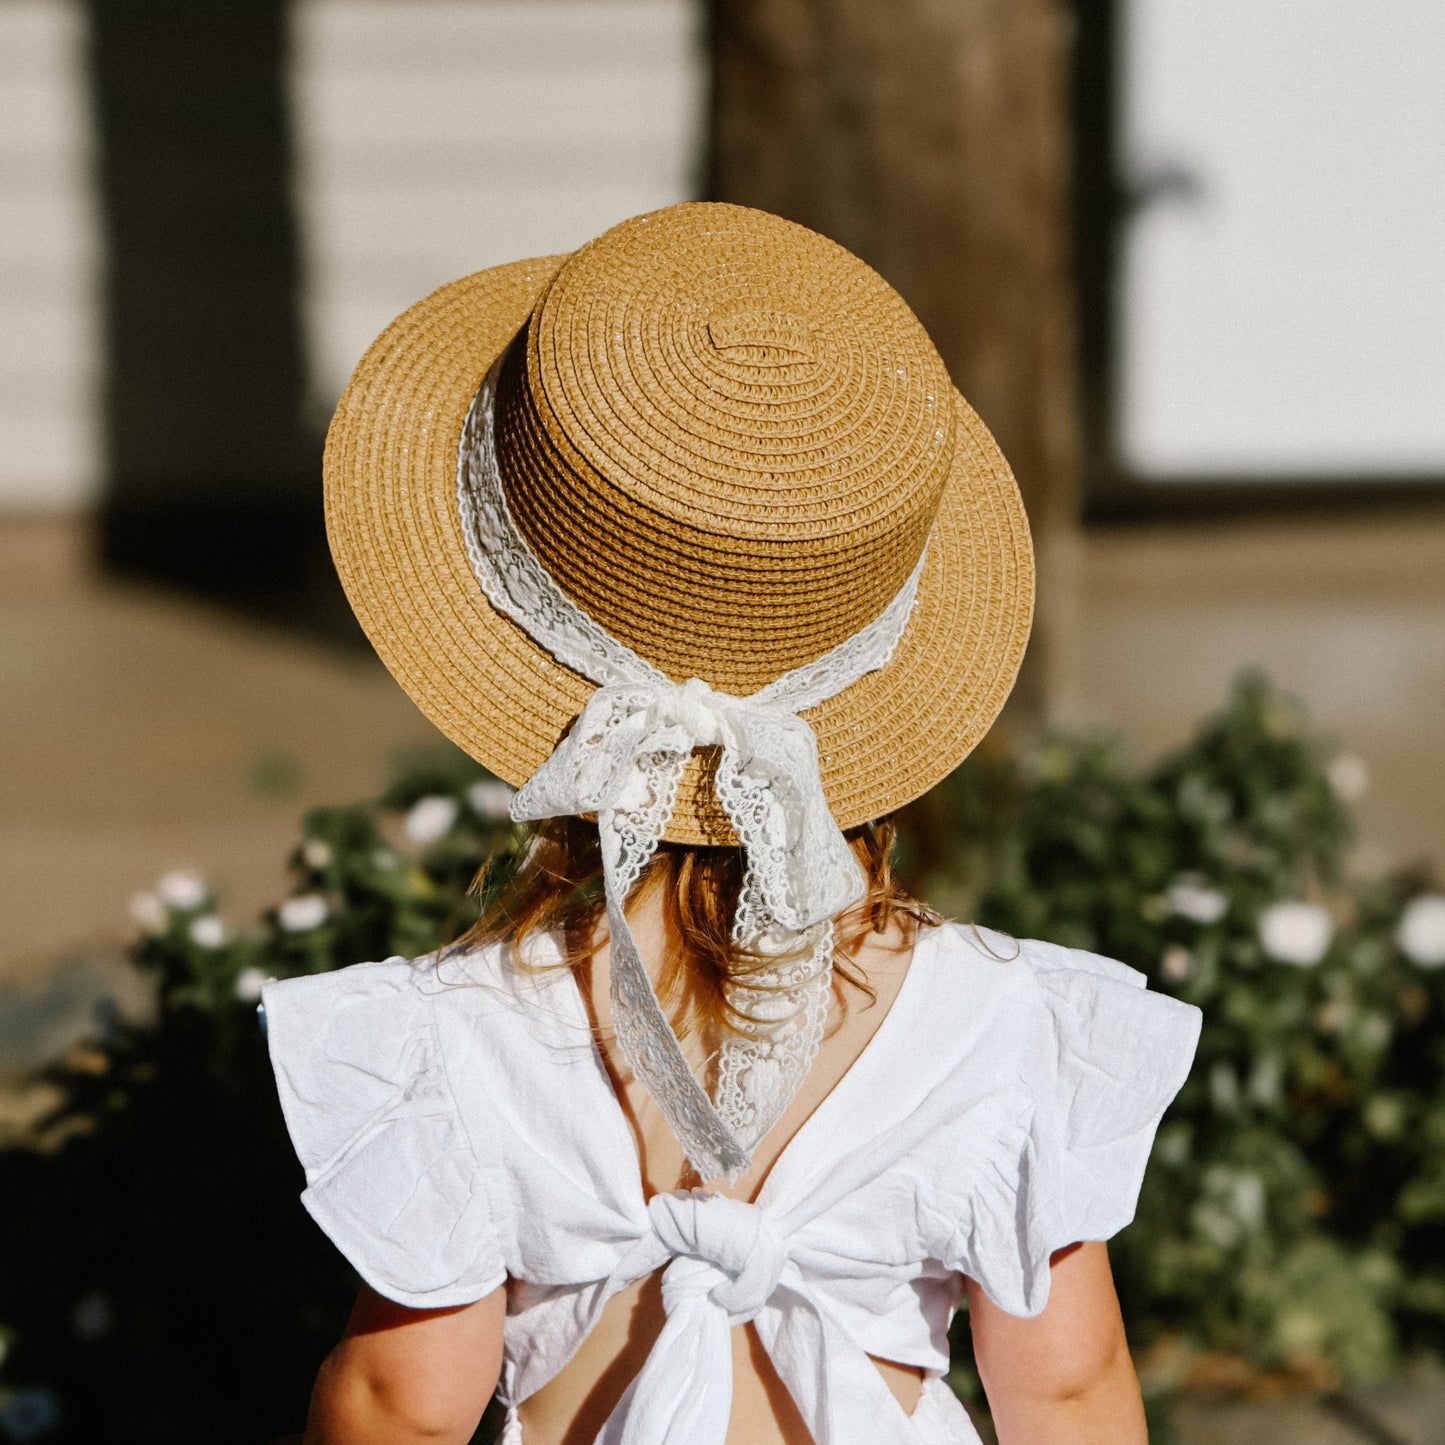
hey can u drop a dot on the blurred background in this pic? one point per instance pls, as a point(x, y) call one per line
point(1188, 262)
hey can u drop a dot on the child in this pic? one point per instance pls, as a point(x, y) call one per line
point(707, 1129)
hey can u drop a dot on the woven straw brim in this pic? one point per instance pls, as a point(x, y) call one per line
point(392, 520)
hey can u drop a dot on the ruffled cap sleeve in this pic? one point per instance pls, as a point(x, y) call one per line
point(1100, 1058)
point(391, 1175)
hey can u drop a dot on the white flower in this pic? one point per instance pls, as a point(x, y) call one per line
point(490, 799)
point(1373, 1030)
point(1246, 1199)
point(1385, 1115)
point(1217, 1226)
point(303, 913)
point(248, 983)
point(149, 912)
point(316, 853)
point(1348, 776)
point(1295, 933)
point(1172, 1144)
point(431, 818)
point(1224, 1087)
point(1266, 1080)
point(1198, 904)
point(207, 931)
point(185, 891)
point(1176, 963)
point(1420, 933)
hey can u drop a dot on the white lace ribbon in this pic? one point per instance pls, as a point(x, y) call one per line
point(623, 760)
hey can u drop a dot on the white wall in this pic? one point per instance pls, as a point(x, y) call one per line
point(1289, 317)
point(437, 137)
point(49, 253)
point(434, 137)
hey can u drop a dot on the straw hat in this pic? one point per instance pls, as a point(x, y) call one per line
point(728, 440)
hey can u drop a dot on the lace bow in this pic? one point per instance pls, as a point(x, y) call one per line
point(624, 758)
point(625, 755)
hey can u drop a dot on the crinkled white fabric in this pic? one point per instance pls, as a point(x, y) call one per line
point(623, 760)
point(458, 1128)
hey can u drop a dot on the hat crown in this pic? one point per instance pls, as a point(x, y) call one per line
point(764, 338)
point(726, 439)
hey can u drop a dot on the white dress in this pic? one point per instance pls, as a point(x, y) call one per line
point(458, 1129)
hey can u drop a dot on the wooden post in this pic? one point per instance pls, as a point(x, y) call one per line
point(931, 138)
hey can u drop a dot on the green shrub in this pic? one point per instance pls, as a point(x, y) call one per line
point(1293, 1207)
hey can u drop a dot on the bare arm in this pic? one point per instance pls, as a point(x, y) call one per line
point(1064, 1377)
point(402, 1377)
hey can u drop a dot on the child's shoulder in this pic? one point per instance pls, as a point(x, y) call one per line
point(1055, 1009)
point(447, 971)
point(997, 955)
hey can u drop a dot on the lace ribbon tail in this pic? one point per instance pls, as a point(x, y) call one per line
point(651, 1049)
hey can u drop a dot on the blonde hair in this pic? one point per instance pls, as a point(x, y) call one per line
point(557, 888)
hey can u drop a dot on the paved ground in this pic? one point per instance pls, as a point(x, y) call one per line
point(1148, 625)
point(1409, 1411)
point(144, 732)
point(1400, 1412)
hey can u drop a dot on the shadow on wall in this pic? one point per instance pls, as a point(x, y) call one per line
point(213, 481)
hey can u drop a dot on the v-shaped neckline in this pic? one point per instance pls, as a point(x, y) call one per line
point(827, 1104)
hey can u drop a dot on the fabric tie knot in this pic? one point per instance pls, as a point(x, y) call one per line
point(724, 1251)
point(727, 1263)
